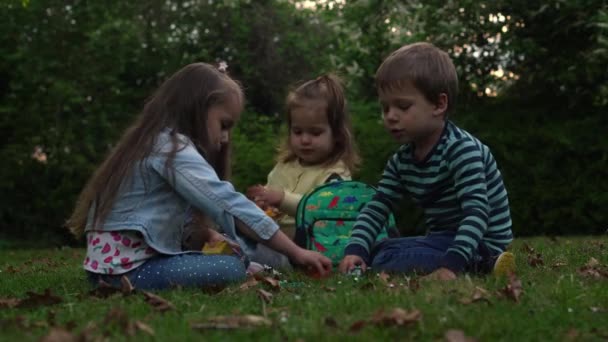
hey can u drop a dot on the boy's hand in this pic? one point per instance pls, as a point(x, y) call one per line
point(320, 264)
point(351, 261)
point(265, 197)
point(442, 274)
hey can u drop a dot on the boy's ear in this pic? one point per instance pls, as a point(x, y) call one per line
point(441, 106)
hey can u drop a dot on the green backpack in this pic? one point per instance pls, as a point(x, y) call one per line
point(326, 216)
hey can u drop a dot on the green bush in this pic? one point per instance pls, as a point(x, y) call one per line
point(554, 170)
point(72, 77)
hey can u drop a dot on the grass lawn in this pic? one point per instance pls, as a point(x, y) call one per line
point(561, 299)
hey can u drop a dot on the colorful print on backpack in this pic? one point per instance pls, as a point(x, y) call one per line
point(326, 216)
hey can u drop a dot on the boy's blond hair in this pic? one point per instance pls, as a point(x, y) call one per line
point(430, 69)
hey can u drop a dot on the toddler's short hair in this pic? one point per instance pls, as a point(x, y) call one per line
point(430, 69)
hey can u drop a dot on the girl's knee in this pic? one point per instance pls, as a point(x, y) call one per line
point(231, 268)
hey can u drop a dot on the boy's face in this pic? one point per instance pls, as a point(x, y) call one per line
point(408, 116)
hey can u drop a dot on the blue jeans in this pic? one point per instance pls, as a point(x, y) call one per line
point(423, 254)
point(185, 270)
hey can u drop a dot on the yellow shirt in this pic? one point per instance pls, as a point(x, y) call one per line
point(297, 180)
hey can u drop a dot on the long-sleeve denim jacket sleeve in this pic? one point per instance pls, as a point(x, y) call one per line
point(156, 200)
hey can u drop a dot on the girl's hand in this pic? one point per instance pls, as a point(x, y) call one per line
point(215, 237)
point(320, 265)
point(351, 261)
point(265, 197)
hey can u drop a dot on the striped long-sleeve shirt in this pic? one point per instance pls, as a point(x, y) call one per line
point(458, 186)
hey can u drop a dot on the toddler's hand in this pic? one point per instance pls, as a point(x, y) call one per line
point(265, 197)
point(350, 262)
point(254, 194)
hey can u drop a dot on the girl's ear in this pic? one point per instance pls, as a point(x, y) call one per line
point(441, 106)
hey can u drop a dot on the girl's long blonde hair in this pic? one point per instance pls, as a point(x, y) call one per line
point(329, 90)
point(180, 104)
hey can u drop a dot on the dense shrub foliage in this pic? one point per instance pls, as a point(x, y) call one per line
point(74, 74)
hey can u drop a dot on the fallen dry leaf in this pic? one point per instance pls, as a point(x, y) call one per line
point(593, 269)
point(104, 290)
point(527, 248)
point(328, 288)
point(572, 334)
point(598, 244)
point(19, 322)
point(396, 316)
point(50, 318)
point(118, 317)
point(12, 269)
point(232, 322)
point(251, 282)
point(454, 335)
point(273, 283)
point(158, 303)
point(9, 302)
point(535, 259)
point(87, 334)
point(440, 274)
point(59, 335)
point(479, 294)
point(127, 287)
point(264, 295)
point(40, 324)
point(559, 264)
point(592, 262)
point(331, 322)
point(141, 326)
point(513, 289)
point(357, 326)
point(393, 317)
point(43, 299)
point(603, 334)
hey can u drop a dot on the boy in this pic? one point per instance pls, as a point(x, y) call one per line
point(446, 171)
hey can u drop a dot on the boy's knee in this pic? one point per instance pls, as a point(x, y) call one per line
point(381, 259)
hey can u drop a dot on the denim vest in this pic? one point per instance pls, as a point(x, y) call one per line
point(156, 201)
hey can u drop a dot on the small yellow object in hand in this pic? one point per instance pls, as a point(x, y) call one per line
point(218, 247)
point(272, 212)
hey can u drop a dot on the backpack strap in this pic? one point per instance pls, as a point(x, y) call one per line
point(333, 178)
